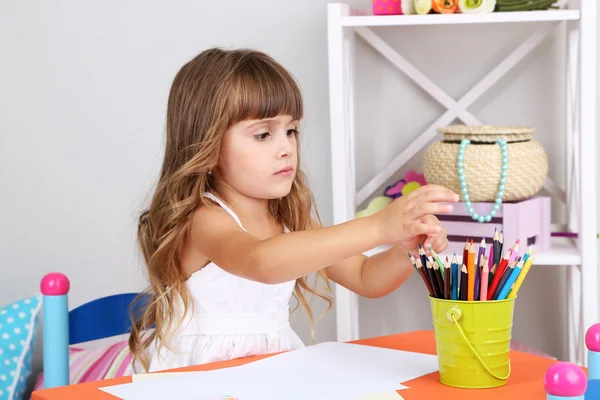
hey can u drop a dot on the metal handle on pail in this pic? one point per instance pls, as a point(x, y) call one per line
point(454, 314)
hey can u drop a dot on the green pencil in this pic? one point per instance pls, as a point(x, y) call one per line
point(437, 259)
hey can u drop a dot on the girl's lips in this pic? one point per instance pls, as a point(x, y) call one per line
point(287, 171)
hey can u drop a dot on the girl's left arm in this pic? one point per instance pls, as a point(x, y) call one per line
point(382, 273)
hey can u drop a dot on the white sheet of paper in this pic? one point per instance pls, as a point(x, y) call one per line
point(393, 395)
point(156, 375)
point(329, 370)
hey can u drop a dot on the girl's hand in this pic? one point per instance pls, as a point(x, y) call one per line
point(408, 218)
point(438, 241)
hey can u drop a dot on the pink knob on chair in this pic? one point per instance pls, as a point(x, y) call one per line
point(55, 284)
point(565, 379)
point(592, 338)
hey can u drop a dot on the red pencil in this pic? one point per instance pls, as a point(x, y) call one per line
point(498, 274)
point(466, 253)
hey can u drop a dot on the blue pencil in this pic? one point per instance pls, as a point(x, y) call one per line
point(526, 256)
point(454, 279)
point(510, 281)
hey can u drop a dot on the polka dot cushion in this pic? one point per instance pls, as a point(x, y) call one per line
point(18, 324)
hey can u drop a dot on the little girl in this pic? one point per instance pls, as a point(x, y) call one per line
point(232, 230)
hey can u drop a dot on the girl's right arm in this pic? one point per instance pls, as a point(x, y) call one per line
point(289, 256)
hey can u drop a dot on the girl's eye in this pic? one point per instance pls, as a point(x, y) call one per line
point(292, 132)
point(262, 136)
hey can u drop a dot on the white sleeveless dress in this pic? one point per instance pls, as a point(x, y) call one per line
point(233, 317)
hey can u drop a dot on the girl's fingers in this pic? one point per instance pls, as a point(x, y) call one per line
point(425, 209)
point(439, 242)
point(438, 195)
point(417, 228)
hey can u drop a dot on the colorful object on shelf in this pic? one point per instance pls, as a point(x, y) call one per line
point(423, 7)
point(412, 180)
point(526, 221)
point(445, 6)
point(375, 205)
point(463, 184)
point(523, 5)
point(408, 7)
point(476, 6)
point(387, 7)
point(483, 162)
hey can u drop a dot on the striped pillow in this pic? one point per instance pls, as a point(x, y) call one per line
point(96, 363)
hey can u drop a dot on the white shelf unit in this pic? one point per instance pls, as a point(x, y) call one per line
point(345, 23)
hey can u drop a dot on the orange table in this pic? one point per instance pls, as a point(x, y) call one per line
point(525, 382)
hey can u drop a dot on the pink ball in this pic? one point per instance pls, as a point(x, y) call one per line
point(55, 284)
point(565, 379)
point(592, 337)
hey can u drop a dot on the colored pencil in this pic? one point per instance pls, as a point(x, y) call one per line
point(528, 253)
point(432, 279)
point(466, 253)
point(496, 247)
point(491, 275)
point(454, 268)
point(500, 247)
point(447, 280)
point(511, 280)
point(521, 277)
point(505, 275)
point(437, 259)
point(484, 280)
point(424, 276)
point(478, 265)
point(464, 278)
point(482, 266)
point(439, 278)
point(422, 255)
point(514, 252)
point(413, 261)
point(491, 257)
point(471, 273)
point(498, 275)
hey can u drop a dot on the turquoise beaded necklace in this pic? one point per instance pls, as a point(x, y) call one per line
point(463, 184)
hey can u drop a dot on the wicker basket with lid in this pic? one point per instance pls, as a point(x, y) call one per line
point(527, 161)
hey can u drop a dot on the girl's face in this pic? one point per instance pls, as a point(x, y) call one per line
point(259, 158)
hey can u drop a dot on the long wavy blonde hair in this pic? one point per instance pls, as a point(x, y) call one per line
point(210, 93)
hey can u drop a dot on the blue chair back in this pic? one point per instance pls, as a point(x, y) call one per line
point(102, 318)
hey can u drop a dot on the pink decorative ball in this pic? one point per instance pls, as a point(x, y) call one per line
point(565, 379)
point(592, 337)
point(55, 284)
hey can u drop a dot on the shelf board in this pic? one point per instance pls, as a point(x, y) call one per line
point(449, 19)
point(562, 252)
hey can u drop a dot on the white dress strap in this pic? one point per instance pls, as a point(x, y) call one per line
point(224, 207)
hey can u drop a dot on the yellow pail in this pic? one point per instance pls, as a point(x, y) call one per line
point(473, 341)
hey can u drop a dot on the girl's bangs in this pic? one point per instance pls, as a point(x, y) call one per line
point(264, 91)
